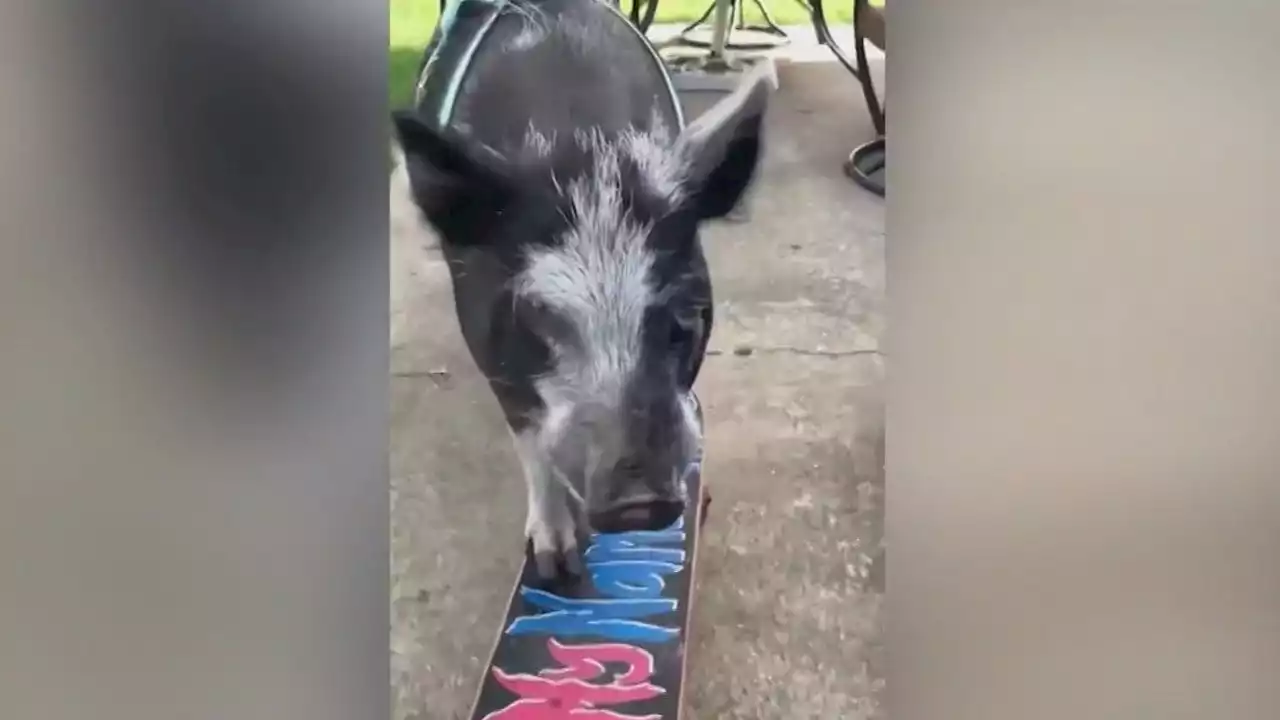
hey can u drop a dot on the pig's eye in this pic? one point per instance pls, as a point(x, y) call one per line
point(547, 324)
point(686, 341)
point(687, 338)
point(685, 332)
point(680, 335)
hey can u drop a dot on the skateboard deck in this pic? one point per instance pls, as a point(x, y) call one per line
point(609, 645)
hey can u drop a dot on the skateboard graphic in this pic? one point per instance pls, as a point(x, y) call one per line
point(609, 645)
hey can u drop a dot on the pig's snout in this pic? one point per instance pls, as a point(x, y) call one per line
point(636, 513)
point(632, 483)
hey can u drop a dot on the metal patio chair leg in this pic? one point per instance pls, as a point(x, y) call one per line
point(643, 19)
point(866, 164)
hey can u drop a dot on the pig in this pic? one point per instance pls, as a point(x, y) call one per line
point(549, 153)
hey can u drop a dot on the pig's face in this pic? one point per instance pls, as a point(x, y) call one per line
point(601, 297)
point(622, 301)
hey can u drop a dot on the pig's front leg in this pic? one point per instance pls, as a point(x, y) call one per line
point(551, 521)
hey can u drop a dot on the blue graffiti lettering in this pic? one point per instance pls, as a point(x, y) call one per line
point(627, 565)
point(614, 542)
point(611, 618)
point(631, 579)
point(597, 554)
point(630, 569)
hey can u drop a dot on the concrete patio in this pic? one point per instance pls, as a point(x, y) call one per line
point(787, 619)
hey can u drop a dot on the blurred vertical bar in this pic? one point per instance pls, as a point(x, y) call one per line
point(1084, 268)
point(193, 361)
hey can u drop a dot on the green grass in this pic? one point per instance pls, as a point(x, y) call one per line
point(413, 20)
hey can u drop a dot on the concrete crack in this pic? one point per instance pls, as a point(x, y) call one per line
point(439, 378)
point(745, 351)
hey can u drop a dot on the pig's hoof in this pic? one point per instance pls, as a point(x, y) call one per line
point(545, 561)
point(555, 549)
point(557, 564)
point(572, 562)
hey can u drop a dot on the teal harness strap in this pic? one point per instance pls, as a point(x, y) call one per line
point(454, 86)
point(447, 21)
point(657, 59)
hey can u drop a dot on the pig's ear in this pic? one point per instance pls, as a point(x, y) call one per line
point(723, 145)
point(456, 184)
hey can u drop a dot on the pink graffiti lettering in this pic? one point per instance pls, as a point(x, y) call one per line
point(568, 693)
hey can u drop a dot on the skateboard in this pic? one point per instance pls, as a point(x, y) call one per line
point(609, 645)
